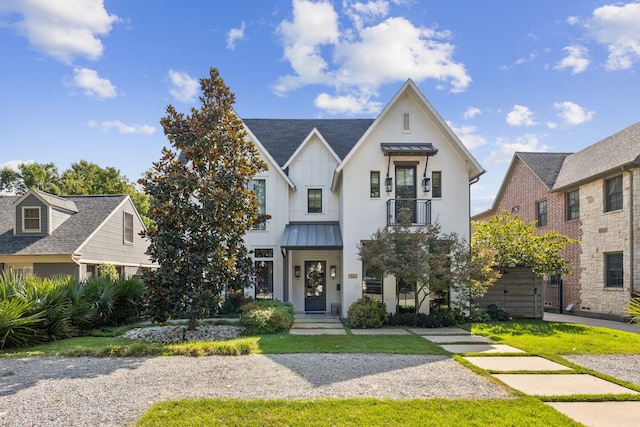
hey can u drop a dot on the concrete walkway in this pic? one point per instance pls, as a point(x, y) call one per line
point(532, 375)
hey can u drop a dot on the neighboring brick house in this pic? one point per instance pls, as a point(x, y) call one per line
point(526, 192)
point(593, 196)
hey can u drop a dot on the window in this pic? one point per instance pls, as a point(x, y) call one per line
point(573, 205)
point(436, 184)
point(314, 200)
point(264, 273)
point(374, 184)
point(613, 270)
point(406, 123)
point(613, 194)
point(541, 213)
point(405, 296)
point(555, 279)
point(371, 283)
point(260, 186)
point(128, 228)
point(31, 220)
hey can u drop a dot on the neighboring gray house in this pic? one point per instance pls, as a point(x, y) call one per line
point(71, 235)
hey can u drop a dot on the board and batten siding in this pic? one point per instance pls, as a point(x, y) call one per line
point(108, 242)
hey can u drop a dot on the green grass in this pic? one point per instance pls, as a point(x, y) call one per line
point(523, 411)
point(540, 337)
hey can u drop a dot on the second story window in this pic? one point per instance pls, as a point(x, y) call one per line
point(314, 200)
point(573, 205)
point(374, 184)
point(541, 213)
point(436, 184)
point(613, 194)
point(260, 186)
point(31, 220)
point(128, 228)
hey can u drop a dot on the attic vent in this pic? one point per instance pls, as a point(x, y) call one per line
point(406, 123)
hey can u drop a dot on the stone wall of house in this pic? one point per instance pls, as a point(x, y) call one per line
point(606, 232)
point(521, 193)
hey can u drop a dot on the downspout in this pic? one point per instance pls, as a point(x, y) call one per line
point(473, 181)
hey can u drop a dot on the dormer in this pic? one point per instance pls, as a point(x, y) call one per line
point(37, 213)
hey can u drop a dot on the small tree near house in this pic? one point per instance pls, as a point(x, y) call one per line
point(201, 205)
point(428, 261)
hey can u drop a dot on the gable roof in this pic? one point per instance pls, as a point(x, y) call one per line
point(49, 199)
point(603, 157)
point(92, 211)
point(546, 166)
point(282, 137)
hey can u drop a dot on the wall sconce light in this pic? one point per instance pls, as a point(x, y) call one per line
point(332, 271)
point(426, 184)
point(388, 183)
point(296, 269)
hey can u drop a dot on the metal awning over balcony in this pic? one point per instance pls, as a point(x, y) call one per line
point(305, 235)
point(408, 149)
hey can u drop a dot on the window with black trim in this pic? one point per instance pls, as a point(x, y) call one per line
point(371, 283)
point(128, 228)
point(614, 270)
point(436, 184)
point(314, 200)
point(260, 188)
point(31, 219)
point(613, 194)
point(573, 205)
point(264, 273)
point(374, 184)
point(541, 213)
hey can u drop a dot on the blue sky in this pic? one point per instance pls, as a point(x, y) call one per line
point(90, 79)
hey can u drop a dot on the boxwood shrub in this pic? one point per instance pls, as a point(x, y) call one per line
point(367, 313)
point(267, 317)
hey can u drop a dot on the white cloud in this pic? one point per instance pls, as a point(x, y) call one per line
point(520, 116)
point(14, 164)
point(105, 126)
point(552, 125)
point(357, 60)
point(573, 20)
point(577, 59)
point(468, 136)
point(616, 27)
point(571, 113)
point(506, 147)
point(92, 84)
point(472, 112)
point(184, 87)
point(62, 29)
point(234, 35)
point(347, 104)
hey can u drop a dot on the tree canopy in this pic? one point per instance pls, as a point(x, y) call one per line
point(82, 178)
point(428, 261)
point(201, 205)
point(513, 242)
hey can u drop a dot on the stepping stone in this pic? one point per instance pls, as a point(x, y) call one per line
point(524, 363)
point(440, 331)
point(600, 414)
point(317, 332)
point(297, 325)
point(480, 348)
point(561, 384)
point(440, 339)
point(379, 331)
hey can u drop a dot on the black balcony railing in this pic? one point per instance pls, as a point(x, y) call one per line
point(418, 211)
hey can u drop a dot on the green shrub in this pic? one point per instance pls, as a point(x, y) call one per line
point(267, 317)
point(497, 313)
point(437, 318)
point(633, 310)
point(367, 313)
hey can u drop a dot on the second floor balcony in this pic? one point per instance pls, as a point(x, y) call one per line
point(418, 211)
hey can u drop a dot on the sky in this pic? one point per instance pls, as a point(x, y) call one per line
point(91, 79)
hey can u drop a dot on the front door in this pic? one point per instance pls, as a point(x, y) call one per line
point(315, 286)
point(406, 192)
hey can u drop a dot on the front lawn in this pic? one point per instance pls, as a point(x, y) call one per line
point(540, 337)
point(524, 411)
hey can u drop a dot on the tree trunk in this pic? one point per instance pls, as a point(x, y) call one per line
point(192, 322)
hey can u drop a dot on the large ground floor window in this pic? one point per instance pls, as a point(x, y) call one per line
point(405, 297)
point(264, 273)
point(371, 283)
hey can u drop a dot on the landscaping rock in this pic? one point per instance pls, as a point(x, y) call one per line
point(179, 334)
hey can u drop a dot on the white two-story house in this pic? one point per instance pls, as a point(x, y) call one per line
point(332, 183)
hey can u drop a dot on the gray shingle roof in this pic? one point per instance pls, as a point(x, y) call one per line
point(282, 137)
point(620, 149)
point(92, 211)
point(546, 166)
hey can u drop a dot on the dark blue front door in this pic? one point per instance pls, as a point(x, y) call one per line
point(314, 286)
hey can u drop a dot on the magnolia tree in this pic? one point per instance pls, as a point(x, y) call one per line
point(428, 262)
point(201, 205)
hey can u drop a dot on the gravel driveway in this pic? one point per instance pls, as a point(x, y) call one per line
point(114, 392)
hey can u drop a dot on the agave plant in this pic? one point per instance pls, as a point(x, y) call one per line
point(633, 310)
